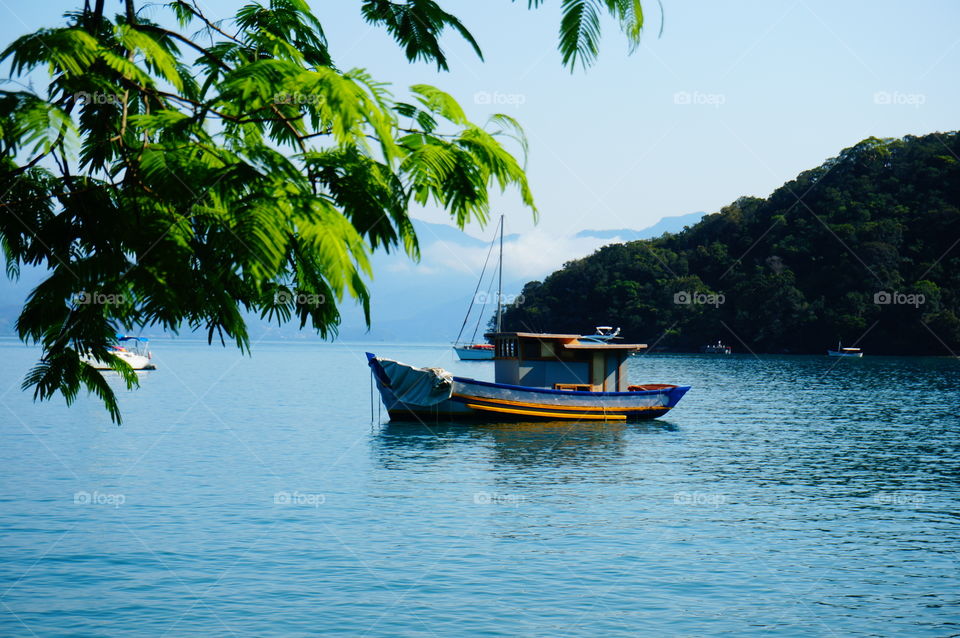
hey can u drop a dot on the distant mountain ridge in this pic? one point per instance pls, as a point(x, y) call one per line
point(869, 256)
point(665, 225)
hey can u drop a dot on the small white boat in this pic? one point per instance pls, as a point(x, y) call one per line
point(853, 353)
point(716, 348)
point(134, 352)
point(602, 334)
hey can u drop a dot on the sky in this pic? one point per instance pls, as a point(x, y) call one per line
point(732, 99)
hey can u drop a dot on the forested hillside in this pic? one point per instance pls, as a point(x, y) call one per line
point(865, 248)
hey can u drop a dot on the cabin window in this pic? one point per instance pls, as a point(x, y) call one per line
point(597, 370)
point(506, 349)
point(529, 350)
point(548, 349)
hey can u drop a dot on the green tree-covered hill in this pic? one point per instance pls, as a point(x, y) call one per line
point(865, 248)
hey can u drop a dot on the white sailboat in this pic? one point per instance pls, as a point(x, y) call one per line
point(473, 351)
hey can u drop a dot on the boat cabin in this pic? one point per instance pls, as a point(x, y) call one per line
point(560, 361)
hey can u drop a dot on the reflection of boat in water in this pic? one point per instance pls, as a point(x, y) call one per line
point(716, 348)
point(134, 352)
point(538, 376)
point(853, 353)
point(534, 444)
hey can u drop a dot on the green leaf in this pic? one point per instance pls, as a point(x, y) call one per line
point(579, 32)
point(440, 103)
point(417, 25)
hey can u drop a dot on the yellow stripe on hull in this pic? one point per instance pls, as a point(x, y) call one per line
point(548, 406)
point(553, 415)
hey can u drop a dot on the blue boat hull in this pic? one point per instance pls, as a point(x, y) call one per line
point(472, 399)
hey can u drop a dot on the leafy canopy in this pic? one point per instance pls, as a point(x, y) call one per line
point(168, 179)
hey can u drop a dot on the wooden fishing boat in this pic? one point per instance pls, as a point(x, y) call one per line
point(538, 376)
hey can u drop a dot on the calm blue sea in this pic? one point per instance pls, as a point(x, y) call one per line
point(801, 496)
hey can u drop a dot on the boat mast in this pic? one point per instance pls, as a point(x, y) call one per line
point(466, 318)
point(500, 277)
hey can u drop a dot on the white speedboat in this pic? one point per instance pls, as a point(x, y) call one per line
point(133, 350)
point(602, 334)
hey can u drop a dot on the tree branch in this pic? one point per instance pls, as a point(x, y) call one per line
point(187, 41)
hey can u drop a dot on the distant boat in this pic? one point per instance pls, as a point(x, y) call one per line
point(602, 334)
point(853, 353)
point(538, 376)
point(473, 351)
point(716, 348)
point(134, 351)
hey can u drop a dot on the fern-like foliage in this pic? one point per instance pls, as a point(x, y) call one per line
point(579, 42)
point(185, 178)
point(417, 26)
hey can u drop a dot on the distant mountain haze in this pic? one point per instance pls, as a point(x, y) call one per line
point(426, 300)
point(665, 225)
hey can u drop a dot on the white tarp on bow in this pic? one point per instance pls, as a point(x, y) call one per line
point(417, 386)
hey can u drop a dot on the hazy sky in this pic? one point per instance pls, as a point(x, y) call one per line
point(733, 99)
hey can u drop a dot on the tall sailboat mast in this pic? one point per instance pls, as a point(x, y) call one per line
point(474, 351)
point(500, 277)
